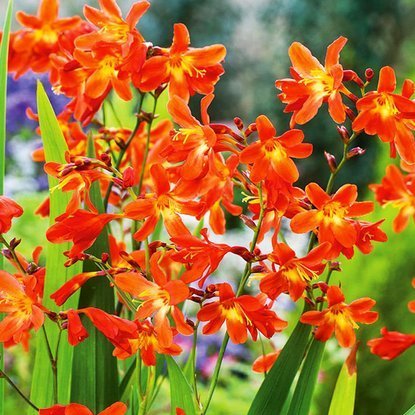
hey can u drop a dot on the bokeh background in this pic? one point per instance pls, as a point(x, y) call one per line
point(257, 34)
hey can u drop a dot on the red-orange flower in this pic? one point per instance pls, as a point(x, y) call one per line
point(31, 47)
point(264, 363)
point(117, 408)
point(187, 70)
point(67, 228)
point(112, 28)
point(333, 216)
point(388, 115)
point(20, 303)
point(241, 314)
point(399, 191)
point(163, 202)
point(294, 273)
point(340, 318)
point(391, 344)
point(159, 298)
point(9, 209)
point(313, 84)
point(149, 342)
point(271, 156)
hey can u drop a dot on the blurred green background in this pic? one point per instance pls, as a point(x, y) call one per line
point(257, 34)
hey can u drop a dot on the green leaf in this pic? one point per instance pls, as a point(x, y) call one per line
point(56, 273)
point(95, 372)
point(410, 411)
point(274, 390)
point(301, 400)
point(342, 401)
point(181, 393)
point(4, 52)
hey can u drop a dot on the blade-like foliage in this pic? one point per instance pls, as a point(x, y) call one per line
point(56, 273)
point(342, 402)
point(181, 393)
point(274, 390)
point(4, 50)
point(95, 374)
point(301, 400)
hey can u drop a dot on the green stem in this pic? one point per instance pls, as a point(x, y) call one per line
point(13, 385)
point(53, 364)
point(244, 279)
point(124, 150)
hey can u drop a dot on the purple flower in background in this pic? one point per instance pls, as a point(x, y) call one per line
point(21, 94)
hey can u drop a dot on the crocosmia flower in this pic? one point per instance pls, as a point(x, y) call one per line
point(397, 190)
point(333, 216)
point(340, 318)
point(313, 84)
point(391, 344)
point(241, 314)
point(389, 115)
point(20, 303)
point(117, 408)
point(271, 155)
point(187, 70)
point(9, 209)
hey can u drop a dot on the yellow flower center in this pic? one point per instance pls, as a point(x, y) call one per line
point(385, 106)
point(319, 82)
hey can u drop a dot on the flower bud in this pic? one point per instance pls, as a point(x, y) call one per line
point(356, 151)
point(331, 161)
point(350, 114)
point(344, 134)
point(369, 74)
point(248, 222)
point(239, 123)
point(251, 128)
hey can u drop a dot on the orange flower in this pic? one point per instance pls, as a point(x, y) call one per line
point(67, 228)
point(159, 298)
point(149, 342)
point(399, 191)
point(31, 48)
point(314, 84)
point(187, 70)
point(112, 28)
point(388, 115)
point(9, 209)
point(117, 408)
point(203, 255)
point(264, 363)
point(241, 314)
point(194, 141)
point(340, 318)
point(271, 155)
point(20, 303)
point(77, 176)
point(294, 273)
point(391, 344)
point(163, 202)
point(332, 216)
point(104, 64)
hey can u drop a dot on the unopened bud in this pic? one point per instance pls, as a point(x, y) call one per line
point(344, 134)
point(14, 243)
point(239, 123)
point(105, 257)
point(160, 90)
point(128, 176)
point(251, 128)
point(257, 269)
point(369, 74)
point(319, 299)
point(7, 253)
point(334, 266)
point(211, 288)
point(32, 268)
point(106, 158)
point(248, 222)
point(190, 322)
point(350, 114)
point(356, 151)
point(331, 161)
point(322, 286)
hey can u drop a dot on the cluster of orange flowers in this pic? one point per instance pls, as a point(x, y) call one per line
point(160, 172)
